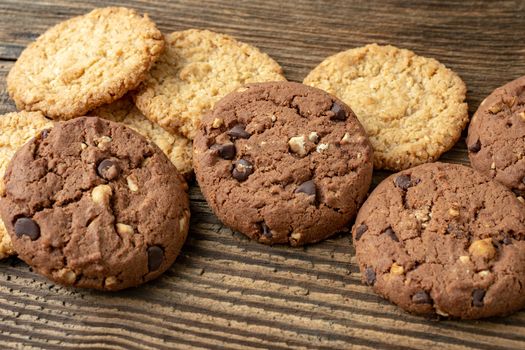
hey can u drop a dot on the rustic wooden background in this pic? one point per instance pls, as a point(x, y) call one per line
point(225, 291)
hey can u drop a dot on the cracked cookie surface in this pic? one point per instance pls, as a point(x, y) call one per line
point(177, 147)
point(496, 136)
point(443, 239)
point(412, 107)
point(17, 128)
point(283, 162)
point(93, 204)
point(197, 69)
point(85, 62)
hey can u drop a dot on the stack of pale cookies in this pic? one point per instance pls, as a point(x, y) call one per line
point(115, 118)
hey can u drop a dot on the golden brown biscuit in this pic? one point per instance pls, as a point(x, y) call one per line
point(197, 69)
point(85, 62)
point(412, 107)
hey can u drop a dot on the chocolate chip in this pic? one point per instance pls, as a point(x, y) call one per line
point(390, 233)
point(108, 169)
point(403, 182)
point(155, 257)
point(359, 231)
point(307, 187)
point(226, 151)
point(507, 240)
point(477, 297)
point(421, 297)
point(265, 230)
point(238, 132)
point(242, 169)
point(475, 147)
point(338, 112)
point(26, 226)
point(370, 276)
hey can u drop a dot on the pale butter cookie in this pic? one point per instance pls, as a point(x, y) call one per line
point(413, 108)
point(197, 69)
point(85, 62)
point(17, 128)
point(175, 146)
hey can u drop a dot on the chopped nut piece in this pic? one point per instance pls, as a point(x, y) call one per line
point(124, 229)
point(346, 139)
point(217, 123)
point(453, 212)
point(132, 183)
point(83, 145)
point(441, 313)
point(465, 259)
point(68, 275)
point(321, 147)
point(495, 108)
point(482, 248)
point(484, 273)
point(103, 141)
point(522, 115)
point(313, 137)
point(521, 199)
point(396, 269)
point(493, 166)
point(273, 118)
point(101, 194)
point(296, 236)
point(110, 281)
point(297, 145)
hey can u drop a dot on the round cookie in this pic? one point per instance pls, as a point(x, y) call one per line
point(496, 136)
point(443, 239)
point(85, 62)
point(93, 204)
point(175, 146)
point(197, 69)
point(17, 128)
point(412, 107)
point(282, 162)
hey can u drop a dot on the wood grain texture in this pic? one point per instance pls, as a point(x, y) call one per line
point(225, 291)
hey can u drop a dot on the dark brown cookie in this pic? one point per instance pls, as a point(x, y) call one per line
point(496, 136)
point(443, 239)
point(283, 162)
point(92, 204)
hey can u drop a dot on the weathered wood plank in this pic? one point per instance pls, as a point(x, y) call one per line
point(226, 291)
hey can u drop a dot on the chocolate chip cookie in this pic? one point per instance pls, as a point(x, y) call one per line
point(443, 239)
point(412, 107)
point(496, 136)
point(93, 204)
point(17, 128)
point(283, 162)
point(85, 62)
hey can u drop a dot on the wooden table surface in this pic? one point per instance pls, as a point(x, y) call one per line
point(225, 291)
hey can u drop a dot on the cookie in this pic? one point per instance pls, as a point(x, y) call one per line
point(412, 107)
point(496, 143)
point(196, 70)
point(443, 239)
point(175, 146)
point(282, 162)
point(85, 62)
point(17, 128)
point(93, 204)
